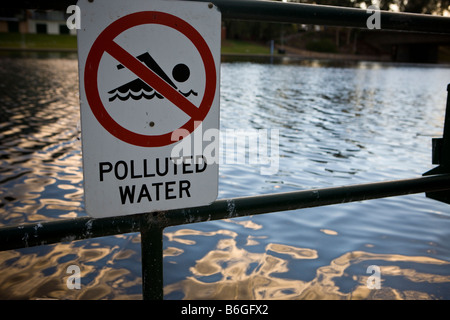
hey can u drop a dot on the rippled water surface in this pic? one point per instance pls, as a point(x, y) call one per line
point(339, 124)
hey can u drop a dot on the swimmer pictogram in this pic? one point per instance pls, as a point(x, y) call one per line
point(138, 89)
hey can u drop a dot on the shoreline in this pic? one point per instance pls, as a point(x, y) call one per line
point(69, 50)
point(291, 53)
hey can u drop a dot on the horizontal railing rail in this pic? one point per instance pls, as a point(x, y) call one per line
point(151, 225)
point(301, 13)
point(82, 228)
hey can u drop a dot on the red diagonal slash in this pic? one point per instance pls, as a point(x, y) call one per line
point(151, 78)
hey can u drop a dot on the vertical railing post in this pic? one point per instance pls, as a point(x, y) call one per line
point(441, 155)
point(152, 257)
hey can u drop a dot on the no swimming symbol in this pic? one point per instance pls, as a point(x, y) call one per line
point(152, 81)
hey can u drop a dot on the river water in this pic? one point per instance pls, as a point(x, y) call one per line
point(335, 124)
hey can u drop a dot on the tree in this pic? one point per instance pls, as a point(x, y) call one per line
point(415, 6)
point(425, 6)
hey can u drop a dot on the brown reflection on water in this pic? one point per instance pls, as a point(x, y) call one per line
point(44, 275)
point(232, 272)
point(40, 154)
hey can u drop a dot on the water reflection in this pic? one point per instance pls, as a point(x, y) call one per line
point(43, 273)
point(339, 124)
point(230, 272)
point(40, 150)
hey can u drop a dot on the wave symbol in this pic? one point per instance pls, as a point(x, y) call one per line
point(137, 96)
point(136, 89)
point(187, 94)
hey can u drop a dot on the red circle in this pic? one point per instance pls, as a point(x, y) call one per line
point(91, 73)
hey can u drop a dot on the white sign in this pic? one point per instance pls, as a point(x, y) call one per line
point(149, 78)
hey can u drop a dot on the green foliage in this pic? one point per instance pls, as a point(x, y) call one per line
point(257, 31)
point(321, 45)
point(415, 6)
point(239, 47)
point(288, 34)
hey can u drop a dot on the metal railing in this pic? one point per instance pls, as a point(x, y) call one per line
point(435, 183)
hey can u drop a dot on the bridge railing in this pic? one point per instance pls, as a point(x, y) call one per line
point(435, 183)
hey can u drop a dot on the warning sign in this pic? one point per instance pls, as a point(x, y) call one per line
point(149, 78)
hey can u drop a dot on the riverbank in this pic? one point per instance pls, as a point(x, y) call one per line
point(301, 53)
point(37, 42)
point(68, 44)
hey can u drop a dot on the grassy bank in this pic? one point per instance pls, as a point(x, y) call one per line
point(243, 47)
point(67, 42)
point(37, 41)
